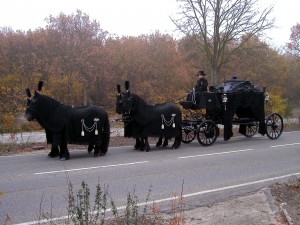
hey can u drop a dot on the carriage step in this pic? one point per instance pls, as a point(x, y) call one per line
point(244, 121)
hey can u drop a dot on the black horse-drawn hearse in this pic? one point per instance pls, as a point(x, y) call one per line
point(235, 102)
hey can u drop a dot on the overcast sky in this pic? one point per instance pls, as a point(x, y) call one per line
point(130, 17)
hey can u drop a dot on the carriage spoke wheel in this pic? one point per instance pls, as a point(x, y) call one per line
point(251, 129)
point(274, 126)
point(207, 133)
point(188, 134)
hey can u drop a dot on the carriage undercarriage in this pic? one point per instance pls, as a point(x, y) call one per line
point(207, 131)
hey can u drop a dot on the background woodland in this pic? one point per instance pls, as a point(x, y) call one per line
point(81, 64)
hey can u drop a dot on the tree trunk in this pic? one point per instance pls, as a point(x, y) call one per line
point(214, 74)
point(69, 88)
point(84, 94)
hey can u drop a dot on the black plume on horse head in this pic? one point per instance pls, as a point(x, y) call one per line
point(39, 88)
point(66, 124)
point(28, 93)
point(119, 89)
point(127, 85)
point(40, 85)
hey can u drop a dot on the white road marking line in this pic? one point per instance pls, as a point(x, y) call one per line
point(212, 154)
point(276, 146)
point(242, 185)
point(90, 168)
point(184, 196)
point(22, 154)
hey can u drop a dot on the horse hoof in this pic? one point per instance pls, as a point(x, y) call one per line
point(53, 155)
point(64, 158)
point(174, 147)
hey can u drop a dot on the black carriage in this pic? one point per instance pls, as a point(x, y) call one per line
point(235, 102)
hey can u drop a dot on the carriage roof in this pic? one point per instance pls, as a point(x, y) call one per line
point(238, 86)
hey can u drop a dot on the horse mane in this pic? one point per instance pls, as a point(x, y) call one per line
point(48, 107)
point(143, 110)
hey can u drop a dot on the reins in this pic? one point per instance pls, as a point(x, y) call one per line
point(175, 102)
point(123, 119)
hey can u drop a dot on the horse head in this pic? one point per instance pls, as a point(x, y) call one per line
point(129, 101)
point(31, 112)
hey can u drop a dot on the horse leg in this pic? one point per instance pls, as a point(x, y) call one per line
point(91, 148)
point(54, 152)
point(97, 151)
point(146, 145)
point(64, 152)
point(177, 142)
point(159, 142)
point(138, 143)
point(166, 142)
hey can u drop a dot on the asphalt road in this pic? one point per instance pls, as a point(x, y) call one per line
point(34, 184)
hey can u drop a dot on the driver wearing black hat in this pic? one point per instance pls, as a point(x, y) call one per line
point(202, 83)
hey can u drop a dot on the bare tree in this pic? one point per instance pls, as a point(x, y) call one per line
point(293, 47)
point(220, 27)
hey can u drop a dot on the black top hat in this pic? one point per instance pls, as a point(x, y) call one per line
point(201, 72)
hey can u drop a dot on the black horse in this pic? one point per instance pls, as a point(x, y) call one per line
point(133, 129)
point(145, 120)
point(67, 124)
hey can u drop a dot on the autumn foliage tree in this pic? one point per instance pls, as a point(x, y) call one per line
point(294, 45)
point(293, 81)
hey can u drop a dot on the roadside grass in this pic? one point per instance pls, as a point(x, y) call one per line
point(7, 218)
point(82, 209)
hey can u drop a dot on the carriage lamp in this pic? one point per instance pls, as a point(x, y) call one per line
point(224, 99)
point(267, 99)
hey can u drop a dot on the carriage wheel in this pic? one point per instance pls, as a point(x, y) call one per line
point(251, 129)
point(188, 134)
point(207, 133)
point(274, 126)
